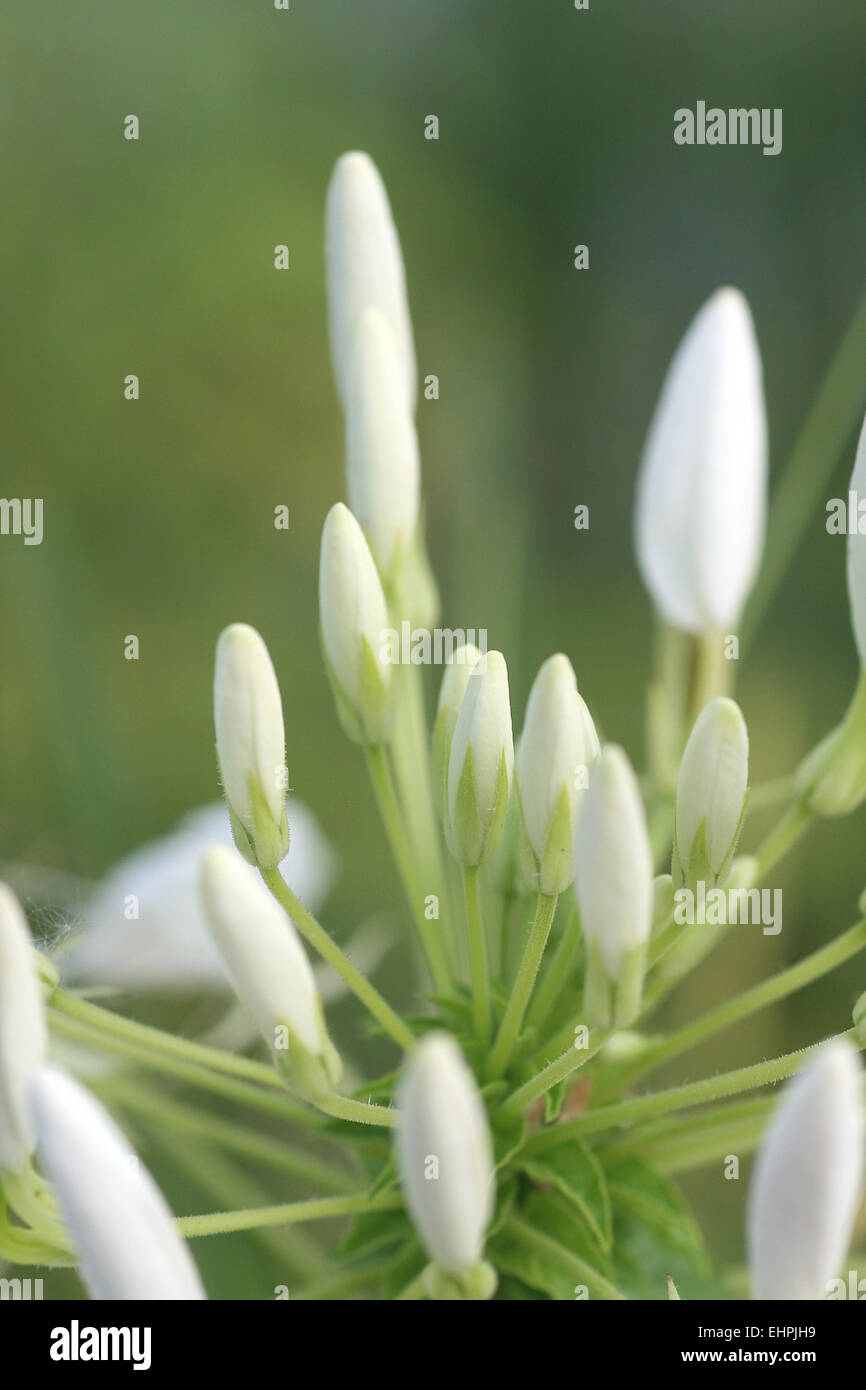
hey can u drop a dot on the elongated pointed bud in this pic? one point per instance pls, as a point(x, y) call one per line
point(383, 471)
point(364, 268)
point(558, 747)
point(480, 763)
point(807, 1181)
point(832, 778)
point(445, 1156)
point(712, 788)
point(270, 971)
point(122, 1227)
point(451, 692)
point(614, 885)
point(701, 499)
point(354, 620)
point(251, 745)
point(22, 1032)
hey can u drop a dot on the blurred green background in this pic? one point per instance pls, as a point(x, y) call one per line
point(156, 258)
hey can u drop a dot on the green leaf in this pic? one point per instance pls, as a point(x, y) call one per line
point(554, 1099)
point(549, 1266)
point(574, 1170)
point(506, 1194)
point(509, 1135)
point(374, 1230)
point(639, 1189)
point(556, 1215)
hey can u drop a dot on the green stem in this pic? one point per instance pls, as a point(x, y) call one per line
point(712, 673)
point(768, 992)
point(509, 1029)
point(781, 838)
point(287, 1214)
point(361, 1112)
point(121, 1027)
point(555, 1072)
point(834, 414)
point(348, 1281)
point(717, 1121)
point(273, 1102)
point(321, 941)
point(557, 972)
point(695, 1093)
point(477, 952)
point(572, 1264)
point(389, 809)
point(260, 1148)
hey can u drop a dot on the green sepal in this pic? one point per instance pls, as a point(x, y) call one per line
point(313, 1076)
point(556, 870)
point(597, 989)
point(372, 724)
point(270, 839)
point(475, 1284)
point(628, 991)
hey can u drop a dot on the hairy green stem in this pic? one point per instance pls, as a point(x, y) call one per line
point(359, 1111)
point(551, 1075)
point(477, 952)
point(321, 941)
point(389, 809)
point(287, 1214)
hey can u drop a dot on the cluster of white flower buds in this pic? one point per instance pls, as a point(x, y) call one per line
point(116, 1219)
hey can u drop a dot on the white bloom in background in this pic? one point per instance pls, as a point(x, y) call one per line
point(481, 763)
point(354, 620)
point(270, 971)
point(701, 498)
point(451, 692)
point(807, 1181)
point(144, 927)
point(711, 793)
point(364, 268)
point(121, 1225)
point(383, 469)
point(444, 1154)
point(558, 746)
point(251, 744)
point(22, 1032)
point(614, 882)
point(857, 555)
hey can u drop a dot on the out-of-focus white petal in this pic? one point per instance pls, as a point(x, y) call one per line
point(168, 945)
point(22, 1032)
point(701, 498)
point(857, 555)
point(121, 1225)
point(806, 1186)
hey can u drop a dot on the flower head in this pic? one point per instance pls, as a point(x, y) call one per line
point(364, 267)
point(558, 747)
point(22, 1032)
point(480, 763)
point(354, 622)
point(251, 745)
point(444, 1154)
point(270, 971)
point(701, 497)
point(711, 793)
point(121, 1225)
point(806, 1186)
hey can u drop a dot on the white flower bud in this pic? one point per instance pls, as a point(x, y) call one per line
point(711, 793)
point(383, 470)
point(354, 620)
point(558, 746)
point(121, 1225)
point(614, 883)
point(444, 1154)
point(22, 1032)
point(451, 692)
point(805, 1189)
point(701, 498)
point(480, 763)
point(251, 745)
point(364, 268)
point(857, 555)
point(269, 969)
